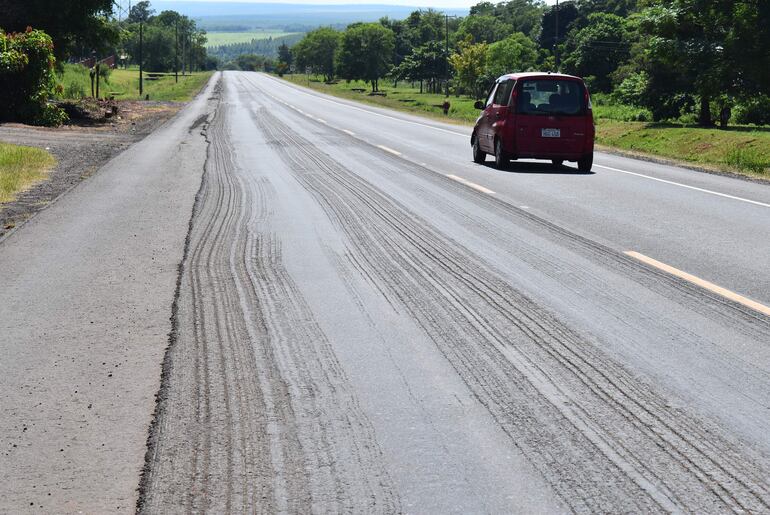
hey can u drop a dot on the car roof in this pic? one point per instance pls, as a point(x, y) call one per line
point(537, 75)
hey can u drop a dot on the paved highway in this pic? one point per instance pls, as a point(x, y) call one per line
point(366, 321)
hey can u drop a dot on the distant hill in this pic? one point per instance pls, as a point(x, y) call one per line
point(243, 16)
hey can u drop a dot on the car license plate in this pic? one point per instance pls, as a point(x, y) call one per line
point(551, 133)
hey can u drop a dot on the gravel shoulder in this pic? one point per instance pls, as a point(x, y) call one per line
point(80, 150)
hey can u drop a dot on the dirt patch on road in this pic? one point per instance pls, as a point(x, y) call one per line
point(80, 150)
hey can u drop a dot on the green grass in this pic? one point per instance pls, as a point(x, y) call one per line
point(124, 85)
point(215, 39)
point(743, 150)
point(20, 168)
point(403, 98)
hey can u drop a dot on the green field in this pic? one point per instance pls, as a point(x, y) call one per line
point(20, 168)
point(124, 84)
point(744, 150)
point(215, 39)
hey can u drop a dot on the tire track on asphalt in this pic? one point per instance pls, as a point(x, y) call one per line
point(273, 424)
point(730, 314)
point(605, 440)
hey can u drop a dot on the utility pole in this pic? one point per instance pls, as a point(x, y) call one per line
point(176, 50)
point(184, 41)
point(141, 60)
point(190, 50)
point(556, 38)
point(446, 54)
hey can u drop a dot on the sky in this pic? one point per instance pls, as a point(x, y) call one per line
point(416, 3)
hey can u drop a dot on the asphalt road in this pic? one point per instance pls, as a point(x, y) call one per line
point(366, 321)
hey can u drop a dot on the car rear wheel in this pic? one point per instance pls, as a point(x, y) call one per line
point(585, 164)
point(557, 162)
point(501, 159)
point(479, 156)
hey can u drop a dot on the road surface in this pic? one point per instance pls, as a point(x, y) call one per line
point(366, 321)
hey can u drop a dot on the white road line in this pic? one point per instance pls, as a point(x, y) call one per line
point(320, 120)
point(318, 97)
point(348, 132)
point(740, 299)
point(710, 192)
point(471, 184)
point(386, 149)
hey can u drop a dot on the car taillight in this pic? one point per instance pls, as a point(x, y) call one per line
point(588, 101)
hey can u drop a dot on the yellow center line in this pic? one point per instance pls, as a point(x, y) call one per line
point(740, 299)
point(471, 184)
point(386, 149)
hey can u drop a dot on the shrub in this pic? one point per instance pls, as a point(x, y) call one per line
point(74, 90)
point(755, 110)
point(631, 90)
point(27, 78)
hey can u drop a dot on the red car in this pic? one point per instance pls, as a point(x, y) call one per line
point(538, 116)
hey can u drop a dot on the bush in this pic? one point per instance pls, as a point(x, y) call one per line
point(632, 89)
point(756, 111)
point(74, 90)
point(27, 79)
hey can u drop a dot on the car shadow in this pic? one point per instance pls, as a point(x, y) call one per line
point(538, 168)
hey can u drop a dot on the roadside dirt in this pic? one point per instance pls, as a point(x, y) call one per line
point(80, 149)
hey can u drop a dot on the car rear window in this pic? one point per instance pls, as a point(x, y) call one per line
point(551, 96)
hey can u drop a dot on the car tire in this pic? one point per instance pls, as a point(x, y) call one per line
point(479, 156)
point(586, 163)
point(501, 158)
point(557, 162)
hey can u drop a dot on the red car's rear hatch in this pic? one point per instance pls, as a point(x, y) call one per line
point(553, 119)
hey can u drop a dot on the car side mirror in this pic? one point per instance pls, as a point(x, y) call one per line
point(479, 104)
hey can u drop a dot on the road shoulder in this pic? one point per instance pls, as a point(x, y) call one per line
point(88, 286)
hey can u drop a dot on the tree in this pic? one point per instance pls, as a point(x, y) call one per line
point(284, 55)
point(250, 62)
point(516, 15)
point(470, 66)
point(366, 53)
point(426, 63)
point(482, 29)
point(516, 53)
point(317, 51)
point(686, 51)
point(747, 46)
point(567, 13)
point(140, 12)
point(161, 34)
point(620, 8)
point(597, 49)
point(74, 26)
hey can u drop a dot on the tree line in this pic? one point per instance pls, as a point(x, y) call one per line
point(675, 58)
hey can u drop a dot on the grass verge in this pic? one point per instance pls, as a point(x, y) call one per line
point(124, 84)
point(405, 97)
point(743, 150)
point(20, 168)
